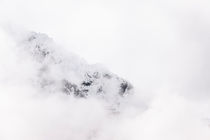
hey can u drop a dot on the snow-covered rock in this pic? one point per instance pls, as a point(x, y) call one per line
point(59, 71)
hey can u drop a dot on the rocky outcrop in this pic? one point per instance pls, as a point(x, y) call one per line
point(69, 74)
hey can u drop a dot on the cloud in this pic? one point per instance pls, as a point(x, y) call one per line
point(160, 46)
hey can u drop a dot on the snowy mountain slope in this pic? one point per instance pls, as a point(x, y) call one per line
point(58, 71)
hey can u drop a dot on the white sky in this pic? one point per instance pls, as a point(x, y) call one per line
point(148, 39)
point(152, 40)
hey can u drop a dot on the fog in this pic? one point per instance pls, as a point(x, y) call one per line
point(161, 47)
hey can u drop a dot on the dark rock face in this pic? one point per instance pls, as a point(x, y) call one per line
point(69, 74)
point(82, 89)
point(124, 87)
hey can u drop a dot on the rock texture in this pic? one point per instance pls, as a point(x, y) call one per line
point(67, 73)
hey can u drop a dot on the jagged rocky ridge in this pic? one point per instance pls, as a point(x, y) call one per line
point(67, 73)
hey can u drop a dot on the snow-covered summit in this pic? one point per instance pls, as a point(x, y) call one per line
point(59, 71)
